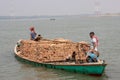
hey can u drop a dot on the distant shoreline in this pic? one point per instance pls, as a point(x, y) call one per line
point(56, 16)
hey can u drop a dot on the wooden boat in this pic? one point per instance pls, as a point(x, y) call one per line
point(96, 68)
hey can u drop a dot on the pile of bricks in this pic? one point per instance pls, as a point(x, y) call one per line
point(52, 50)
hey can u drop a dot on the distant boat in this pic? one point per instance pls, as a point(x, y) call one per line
point(95, 68)
point(52, 19)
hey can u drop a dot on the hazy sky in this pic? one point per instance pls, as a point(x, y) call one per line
point(56, 7)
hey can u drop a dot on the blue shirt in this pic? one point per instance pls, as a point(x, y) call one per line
point(33, 35)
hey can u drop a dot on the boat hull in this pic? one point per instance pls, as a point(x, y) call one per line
point(93, 69)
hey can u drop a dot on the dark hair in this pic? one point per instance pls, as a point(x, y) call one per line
point(92, 33)
point(39, 34)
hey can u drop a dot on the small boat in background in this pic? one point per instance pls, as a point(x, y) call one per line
point(52, 19)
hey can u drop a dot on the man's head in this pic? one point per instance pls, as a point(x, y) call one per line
point(32, 28)
point(39, 35)
point(91, 34)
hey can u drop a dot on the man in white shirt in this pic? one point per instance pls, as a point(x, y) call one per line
point(93, 54)
point(94, 41)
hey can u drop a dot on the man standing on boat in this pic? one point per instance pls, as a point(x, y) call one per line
point(94, 41)
point(32, 33)
point(93, 54)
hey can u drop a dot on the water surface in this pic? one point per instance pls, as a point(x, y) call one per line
point(75, 28)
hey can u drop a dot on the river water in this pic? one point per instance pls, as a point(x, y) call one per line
point(75, 28)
